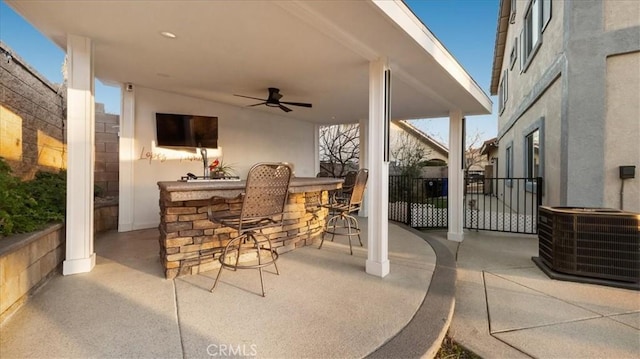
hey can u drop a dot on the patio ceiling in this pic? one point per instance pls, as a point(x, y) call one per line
point(316, 52)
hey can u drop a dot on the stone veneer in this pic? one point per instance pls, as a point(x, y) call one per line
point(190, 243)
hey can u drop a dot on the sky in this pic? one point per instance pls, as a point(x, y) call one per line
point(465, 27)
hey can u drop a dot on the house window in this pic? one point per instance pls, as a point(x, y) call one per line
point(503, 91)
point(546, 13)
point(532, 144)
point(508, 158)
point(512, 17)
point(514, 53)
point(534, 153)
point(531, 38)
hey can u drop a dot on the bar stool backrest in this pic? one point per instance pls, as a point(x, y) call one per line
point(358, 188)
point(266, 192)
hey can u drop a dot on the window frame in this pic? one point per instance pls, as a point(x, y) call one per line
point(537, 125)
point(532, 22)
point(545, 14)
point(514, 53)
point(508, 163)
point(530, 143)
point(503, 91)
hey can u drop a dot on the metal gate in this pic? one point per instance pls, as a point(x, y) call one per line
point(502, 204)
point(418, 202)
point(496, 204)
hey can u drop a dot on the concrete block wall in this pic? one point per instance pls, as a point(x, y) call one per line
point(107, 160)
point(32, 125)
point(32, 118)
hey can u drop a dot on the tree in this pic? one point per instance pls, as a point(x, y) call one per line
point(472, 153)
point(409, 153)
point(339, 149)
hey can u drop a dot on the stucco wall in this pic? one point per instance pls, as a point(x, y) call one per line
point(521, 82)
point(622, 131)
point(588, 90)
point(544, 114)
point(620, 14)
point(246, 136)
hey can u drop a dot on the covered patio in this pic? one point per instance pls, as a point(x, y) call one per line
point(321, 306)
point(363, 62)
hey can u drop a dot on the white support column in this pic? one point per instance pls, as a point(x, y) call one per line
point(364, 160)
point(378, 204)
point(316, 145)
point(80, 257)
point(126, 204)
point(456, 177)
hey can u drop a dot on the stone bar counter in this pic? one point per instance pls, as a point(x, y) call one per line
point(190, 243)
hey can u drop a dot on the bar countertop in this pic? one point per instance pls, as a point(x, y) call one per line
point(199, 190)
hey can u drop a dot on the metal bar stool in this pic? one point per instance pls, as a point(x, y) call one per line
point(263, 203)
point(342, 210)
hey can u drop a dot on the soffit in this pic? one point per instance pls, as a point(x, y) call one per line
point(316, 52)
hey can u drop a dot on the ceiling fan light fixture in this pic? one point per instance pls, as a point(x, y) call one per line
point(168, 34)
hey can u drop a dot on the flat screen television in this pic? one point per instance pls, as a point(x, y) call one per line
point(175, 130)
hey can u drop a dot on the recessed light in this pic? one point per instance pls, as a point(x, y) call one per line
point(168, 35)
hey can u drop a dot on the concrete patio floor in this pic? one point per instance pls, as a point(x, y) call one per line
point(323, 305)
point(506, 307)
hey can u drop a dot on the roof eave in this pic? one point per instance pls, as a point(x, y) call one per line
point(425, 138)
point(504, 11)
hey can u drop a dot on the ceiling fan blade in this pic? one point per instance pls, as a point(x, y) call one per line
point(254, 98)
point(302, 104)
point(285, 108)
point(257, 104)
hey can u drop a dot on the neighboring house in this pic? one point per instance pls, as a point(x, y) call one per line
point(475, 161)
point(490, 150)
point(567, 76)
point(436, 152)
point(436, 155)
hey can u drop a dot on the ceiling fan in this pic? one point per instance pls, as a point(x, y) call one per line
point(274, 100)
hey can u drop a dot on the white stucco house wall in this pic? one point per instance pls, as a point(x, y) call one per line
point(567, 74)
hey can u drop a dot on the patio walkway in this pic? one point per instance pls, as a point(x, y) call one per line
point(506, 307)
point(323, 305)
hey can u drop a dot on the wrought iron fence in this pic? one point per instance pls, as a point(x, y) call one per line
point(496, 204)
point(418, 202)
point(502, 204)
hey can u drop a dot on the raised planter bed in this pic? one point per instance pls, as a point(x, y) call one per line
point(26, 262)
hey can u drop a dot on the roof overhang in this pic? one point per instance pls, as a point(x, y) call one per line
point(316, 52)
point(489, 145)
point(423, 137)
point(504, 13)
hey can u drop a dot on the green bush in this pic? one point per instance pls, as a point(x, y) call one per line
point(28, 206)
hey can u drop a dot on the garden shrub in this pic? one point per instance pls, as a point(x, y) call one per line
point(30, 205)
